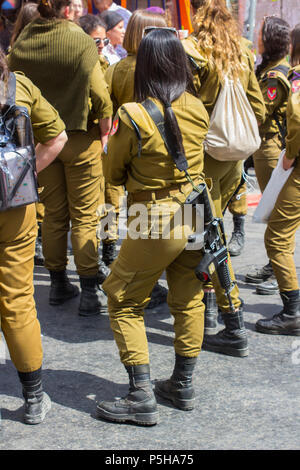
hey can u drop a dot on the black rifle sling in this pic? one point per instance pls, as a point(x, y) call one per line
point(178, 157)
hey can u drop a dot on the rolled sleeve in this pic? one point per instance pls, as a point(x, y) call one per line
point(101, 102)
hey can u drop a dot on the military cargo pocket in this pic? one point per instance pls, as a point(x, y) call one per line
point(116, 285)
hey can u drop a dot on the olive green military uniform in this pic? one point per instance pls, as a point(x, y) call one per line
point(238, 203)
point(285, 217)
point(72, 191)
point(275, 88)
point(225, 176)
point(120, 79)
point(63, 61)
point(152, 179)
point(18, 231)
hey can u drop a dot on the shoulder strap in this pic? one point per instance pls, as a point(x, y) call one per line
point(136, 130)
point(178, 157)
point(11, 90)
point(283, 69)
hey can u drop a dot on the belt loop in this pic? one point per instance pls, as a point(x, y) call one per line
point(153, 196)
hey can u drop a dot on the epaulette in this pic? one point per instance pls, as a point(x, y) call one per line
point(279, 73)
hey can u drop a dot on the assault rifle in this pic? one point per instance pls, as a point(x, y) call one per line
point(215, 254)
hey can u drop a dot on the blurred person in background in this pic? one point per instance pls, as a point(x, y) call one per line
point(215, 49)
point(115, 32)
point(63, 61)
point(284, 220)
point(96, 28)
point(272, 72)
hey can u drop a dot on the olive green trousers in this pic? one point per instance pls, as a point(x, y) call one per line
point(280, 233)
point(226, 177)
point(265, 160)
point(19, 323)
point(238, 204)
point(71, 194)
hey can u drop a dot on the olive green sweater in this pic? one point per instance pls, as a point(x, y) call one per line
point(59, 58)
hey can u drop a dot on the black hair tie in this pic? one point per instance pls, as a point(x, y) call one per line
point(168, 105)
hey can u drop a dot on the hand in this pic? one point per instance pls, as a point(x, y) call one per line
point(287, 163)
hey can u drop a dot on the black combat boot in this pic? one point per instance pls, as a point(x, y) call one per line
point(103, 271)
point(210, 313)
point(93, 300)
point(61, 289)
point(287, 322)
point(38, 255)
point(179, 388)
point(259, 275)
point(268, 287)
point(159, 296)
point(37, 402)
point(109, 252)
point(237, 241)
point(232, 340)
point(139, 406)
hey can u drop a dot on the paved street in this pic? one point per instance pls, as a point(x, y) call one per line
point(242, 403)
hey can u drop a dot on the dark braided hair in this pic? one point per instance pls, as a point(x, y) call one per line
point(276, 41)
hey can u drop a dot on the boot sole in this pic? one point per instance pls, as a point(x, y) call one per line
point(144, 419)
point(39, 418)
point(94, 313)
point(228, 351)
point(255, 281)
point(267, 292)
point(261, 329)
point(63, 300)
point(185, 405)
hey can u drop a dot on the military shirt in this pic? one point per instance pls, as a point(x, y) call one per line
point(120, 79)
point(154, 168)
point(275, 89)
point(207, 82)
point(45, 120)
point(293, 115)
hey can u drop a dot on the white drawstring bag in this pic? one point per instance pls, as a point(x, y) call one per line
point(269, 197)
point(233, 133)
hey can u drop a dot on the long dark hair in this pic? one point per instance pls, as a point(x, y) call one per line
point(162, 72)
point(276, 40)
point(295, 54)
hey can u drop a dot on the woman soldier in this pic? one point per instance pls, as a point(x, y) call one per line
point(18, 229)
point(273, 45)
point(120, 79)
point(96, 28)
point(63, 61)
point(215, 50)
point(142, 162)
point(285, 217)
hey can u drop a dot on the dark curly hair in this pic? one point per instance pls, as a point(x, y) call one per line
point(276, 38)
point(295, 54)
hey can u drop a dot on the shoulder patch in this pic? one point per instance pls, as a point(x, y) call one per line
point(272, 93)
point(295, 86)
point(115, 125)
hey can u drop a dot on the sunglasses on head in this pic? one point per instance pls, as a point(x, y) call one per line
point(99, 40)
point(148, 29)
